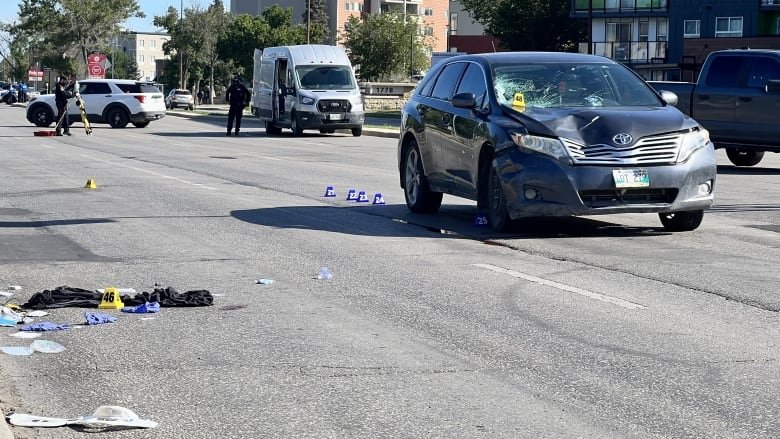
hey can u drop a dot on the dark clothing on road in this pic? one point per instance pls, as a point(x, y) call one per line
point(238, 97)
point(62, 93)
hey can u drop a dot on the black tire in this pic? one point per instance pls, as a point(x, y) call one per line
point(296, 129)
point(419, 196)
point(356, 132)
point(141, 124)
point(42, 116)
point(191, 107)
point(681, 221)
point(497, 216)
point(271, 128)
point(744, 157)
point(118, 118)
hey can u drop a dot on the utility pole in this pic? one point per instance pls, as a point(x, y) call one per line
point(308, 22)
point(181, 55)
point(590, 27)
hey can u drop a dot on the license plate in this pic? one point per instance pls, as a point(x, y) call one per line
point(335, 116)
point(630, 178)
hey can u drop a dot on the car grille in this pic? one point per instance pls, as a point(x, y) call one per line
point(654, 150)
point(618, 197)
point(334, 106)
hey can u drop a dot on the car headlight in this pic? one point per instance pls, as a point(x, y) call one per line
point(307, 100)
point(692, 142)
point(545, 145)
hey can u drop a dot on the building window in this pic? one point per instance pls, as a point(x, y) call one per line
point(428, 12)
point(644, 29)
point(692, 28)
point(140, 59)
point(728, 27)
point(454, 23)
point(152, 59)
point(153, 43)
point(140, 43)
point(428, 31)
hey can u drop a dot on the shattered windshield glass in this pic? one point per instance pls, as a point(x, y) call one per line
point(325, 77)
point(553, 85)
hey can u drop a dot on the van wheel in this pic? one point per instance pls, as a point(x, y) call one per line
point(356, 132)
point(681, 221)
point(296, 129)
point(271, 128)
point(742, 157)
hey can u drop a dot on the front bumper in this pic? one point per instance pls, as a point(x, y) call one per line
point(329, 121)
point(562, 190)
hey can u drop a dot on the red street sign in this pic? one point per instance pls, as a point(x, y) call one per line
point(96, 58)
point(96, 71)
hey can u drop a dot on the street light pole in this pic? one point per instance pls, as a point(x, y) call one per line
point(308, 22)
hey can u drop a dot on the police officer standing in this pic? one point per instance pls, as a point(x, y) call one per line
point(62, 93)
point(237, 96)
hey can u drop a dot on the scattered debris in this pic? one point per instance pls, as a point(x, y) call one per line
point(325, 273)
point(44, 326)
point(97, 319)
point(23, 334)
point(264, 281)
point(104, 416)
point(44, 346)
point(143, 309)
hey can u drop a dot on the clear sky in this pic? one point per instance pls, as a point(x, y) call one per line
point(159, 7)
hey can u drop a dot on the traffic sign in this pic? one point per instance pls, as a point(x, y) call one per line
point(96, 71)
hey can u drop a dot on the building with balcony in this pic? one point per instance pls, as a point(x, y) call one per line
point(146, 49)
point(432, 15)
point(669, 39)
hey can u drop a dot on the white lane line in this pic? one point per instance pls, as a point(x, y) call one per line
point(590, 294)
point(146, 171)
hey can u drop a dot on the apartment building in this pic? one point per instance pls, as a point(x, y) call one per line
point(146, 49)
point(466, 35)
point(669, 39)
point(433, 16)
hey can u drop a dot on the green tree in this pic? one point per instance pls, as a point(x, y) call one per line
point(247, 33)
point(317, 21)
point(73, 28)
point(529, 24)
point(382, 46)
point(15, 53)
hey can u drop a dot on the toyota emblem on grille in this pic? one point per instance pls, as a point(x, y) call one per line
point(622, 139)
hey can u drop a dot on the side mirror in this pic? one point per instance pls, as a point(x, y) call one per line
point(669, 97)
point(773, 86)
point(464, 100)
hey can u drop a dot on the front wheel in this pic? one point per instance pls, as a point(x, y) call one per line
point(419, 196)
point(296, 129)
point(356, 132)
point(117, 118)
point(681, 221)
point(42, 117)
point(271, 128)
point(742, 157)
point(498, 218)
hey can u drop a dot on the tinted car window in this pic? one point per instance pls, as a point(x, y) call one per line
point(183, 92)
point(138, 88)
point(447, 81)
point(724, 71)
point(93, 88)
point(474, 81)
point(762, 70)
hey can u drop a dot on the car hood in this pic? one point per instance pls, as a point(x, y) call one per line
point(590, 125)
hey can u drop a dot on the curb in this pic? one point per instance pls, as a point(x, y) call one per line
point(367, 131)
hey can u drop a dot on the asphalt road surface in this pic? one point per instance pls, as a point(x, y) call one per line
point(431, 327)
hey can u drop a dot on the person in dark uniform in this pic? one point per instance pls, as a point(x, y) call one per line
point(62, 93)
point(237, 96)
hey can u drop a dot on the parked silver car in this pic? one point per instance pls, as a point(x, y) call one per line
point(552, 134)
point(178, 97)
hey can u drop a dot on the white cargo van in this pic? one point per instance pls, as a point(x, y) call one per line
point(303, 87)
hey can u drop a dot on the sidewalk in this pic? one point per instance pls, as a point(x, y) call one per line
point(375, 127)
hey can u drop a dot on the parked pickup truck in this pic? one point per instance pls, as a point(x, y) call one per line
point(737, 99)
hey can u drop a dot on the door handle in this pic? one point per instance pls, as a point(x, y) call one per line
point(703, 97)
point(745, 99)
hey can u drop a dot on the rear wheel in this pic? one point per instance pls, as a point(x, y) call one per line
point(419, 196)
point(498, 218)
point(141, 124)
point(118, 118)
point(742, 157)
point(681, 221)
point(271, 128)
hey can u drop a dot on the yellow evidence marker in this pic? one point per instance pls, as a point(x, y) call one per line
point(519, 100)
point(111, 299)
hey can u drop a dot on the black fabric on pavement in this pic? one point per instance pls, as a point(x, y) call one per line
point(64, 296)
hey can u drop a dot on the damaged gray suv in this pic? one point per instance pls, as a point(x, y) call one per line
point(552, 134)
